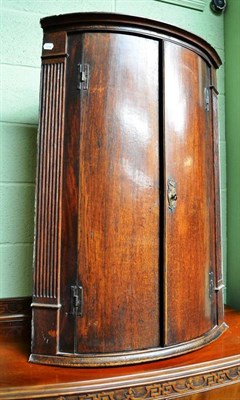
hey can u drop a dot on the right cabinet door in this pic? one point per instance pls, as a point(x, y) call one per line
point(189, 236)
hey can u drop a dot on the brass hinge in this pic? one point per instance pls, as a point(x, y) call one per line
point(212, 288)
point(77, 300)
point(171, 194)
point(211, 284)
point(207, 99)
point(83, 76)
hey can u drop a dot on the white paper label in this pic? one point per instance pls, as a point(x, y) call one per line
point(48, 46)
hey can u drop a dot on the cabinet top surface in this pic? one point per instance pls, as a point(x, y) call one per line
point(128, 23)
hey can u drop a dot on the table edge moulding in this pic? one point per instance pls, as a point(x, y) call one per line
point(215, 367)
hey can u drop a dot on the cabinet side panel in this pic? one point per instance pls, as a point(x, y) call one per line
point(47, 245)
point(69, 243)
point(48, 209)
point(44, 332)
point(119, 195)
point(189, 217)
point(219, 275)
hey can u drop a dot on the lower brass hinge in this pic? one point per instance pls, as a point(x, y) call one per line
point(220, 287)
point(211, 284)
point(212, 287)
point(77, 300)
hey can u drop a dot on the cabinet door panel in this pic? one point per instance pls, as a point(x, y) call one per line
point(119, 195)
point(116, 145)
point(189, 236)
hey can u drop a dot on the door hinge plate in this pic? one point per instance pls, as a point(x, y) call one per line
point(77, 300)
point(171, 194)
point(83, 76)
point(211, 284)
point(207, 98)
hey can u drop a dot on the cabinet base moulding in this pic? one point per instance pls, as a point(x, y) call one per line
point(128, 357)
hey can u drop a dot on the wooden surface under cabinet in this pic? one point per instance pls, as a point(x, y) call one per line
point(192, 376)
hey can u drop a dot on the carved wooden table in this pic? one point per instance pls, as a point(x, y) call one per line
point(191, 376)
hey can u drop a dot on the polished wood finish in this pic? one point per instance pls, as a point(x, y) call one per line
point(226, 393)
point(190, 250)
point(118, 202)
point(127, 222)
point(125, 23)
point(213, 372)
point(49, 200)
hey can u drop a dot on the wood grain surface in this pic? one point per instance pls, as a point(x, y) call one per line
point(189, 229)
point(119, 195)
point(127, 250)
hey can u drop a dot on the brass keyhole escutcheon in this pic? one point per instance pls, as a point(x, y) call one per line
point(171, 194)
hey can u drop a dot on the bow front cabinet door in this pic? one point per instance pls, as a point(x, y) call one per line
point(127, 241)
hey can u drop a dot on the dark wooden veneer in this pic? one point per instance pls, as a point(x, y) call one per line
point(113, 21)
point(127, 249)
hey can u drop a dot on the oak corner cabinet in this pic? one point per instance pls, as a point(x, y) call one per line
point(127, 239)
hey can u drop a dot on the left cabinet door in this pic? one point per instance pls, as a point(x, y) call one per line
point(110, 203)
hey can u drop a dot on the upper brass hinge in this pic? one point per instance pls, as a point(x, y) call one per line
point(207, 99)
point(83, 76)
point(77, 300)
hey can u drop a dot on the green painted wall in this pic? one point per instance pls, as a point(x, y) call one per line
point(21, 38)
point(232, 46)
